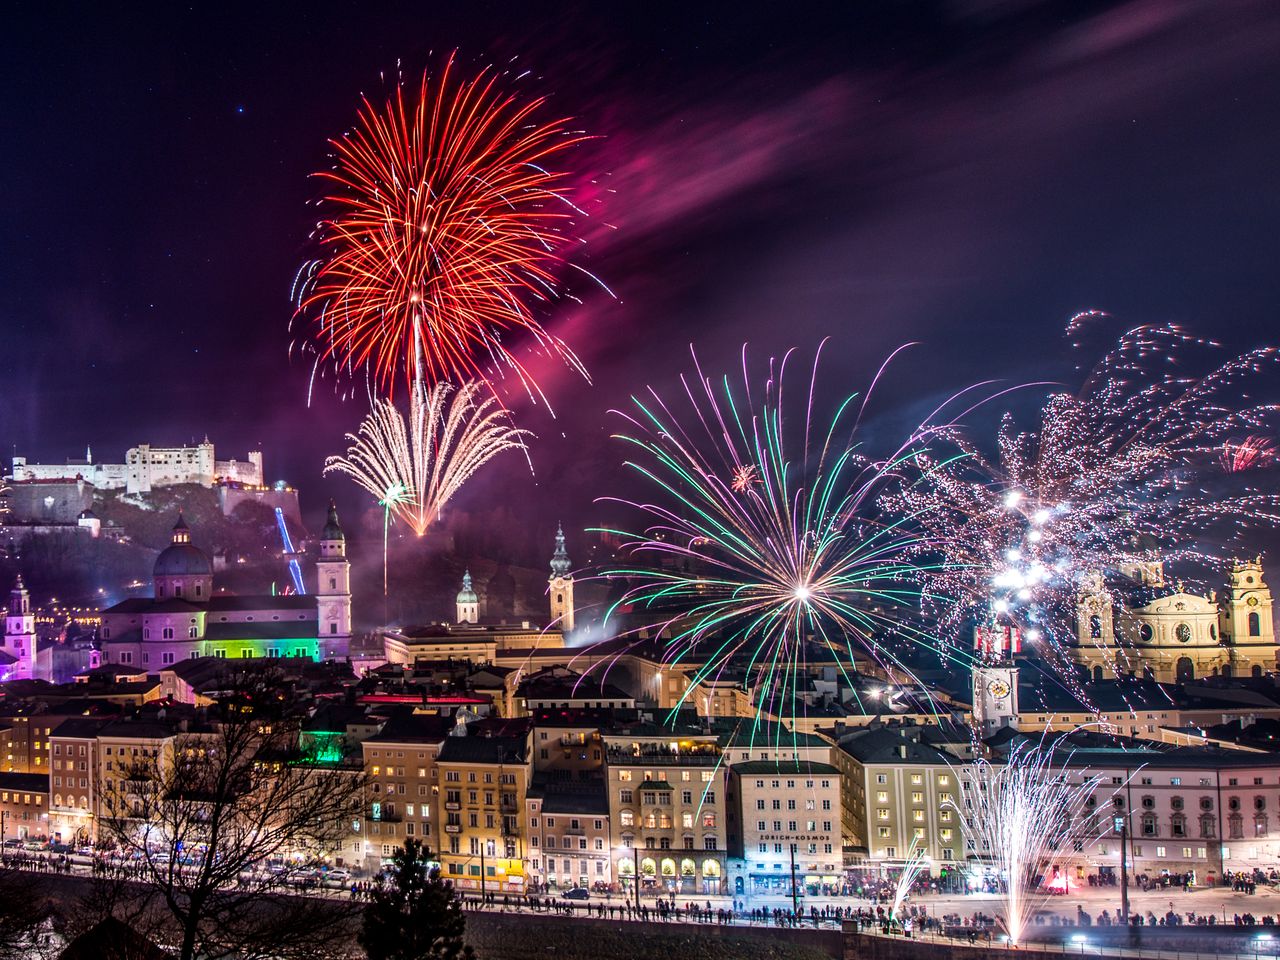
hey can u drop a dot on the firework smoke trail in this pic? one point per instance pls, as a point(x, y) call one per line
point(1106, 484)
point(416, 466)
point(1018, 816)
point(764, 544)
point(447, 221)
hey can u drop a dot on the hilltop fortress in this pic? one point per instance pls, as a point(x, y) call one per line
point(146, 467)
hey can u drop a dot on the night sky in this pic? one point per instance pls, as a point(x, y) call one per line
point(965, 174)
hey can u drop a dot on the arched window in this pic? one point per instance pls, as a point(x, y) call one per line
point(1255, 625)
point(1095, 626)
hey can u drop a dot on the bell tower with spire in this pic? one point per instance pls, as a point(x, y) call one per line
point(561, 586)
point(1244, 620)
point(333, 589)
point(20, 633)
point(468, 602)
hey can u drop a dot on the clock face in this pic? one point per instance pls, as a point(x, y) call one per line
point(998, 689)
point(1252, 601)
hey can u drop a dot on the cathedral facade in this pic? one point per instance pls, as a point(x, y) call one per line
point(1172, 635)
point(185, 618)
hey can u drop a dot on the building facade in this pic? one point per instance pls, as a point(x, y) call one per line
point(570, 841)
point(668, 809)
point(146, 467)
point(790, 836)
point(483, 782)
point(1176, 635)
point(897, 791)
point(186, 619)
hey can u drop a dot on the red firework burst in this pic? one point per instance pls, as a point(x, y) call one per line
point(447, 224)
point(1240, 455)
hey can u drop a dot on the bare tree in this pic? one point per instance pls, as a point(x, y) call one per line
point(24, 911)
point(224, 822)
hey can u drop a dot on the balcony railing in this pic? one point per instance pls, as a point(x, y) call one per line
point(627, 758)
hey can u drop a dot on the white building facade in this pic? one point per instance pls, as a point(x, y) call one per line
point(147, 467)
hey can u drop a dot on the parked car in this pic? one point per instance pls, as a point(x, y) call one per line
point(577, 893)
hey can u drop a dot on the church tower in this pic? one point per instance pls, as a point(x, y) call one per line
point(333, 589)
point(561, 586)
point(995, 696)
point(1096, 649)
point(1244, 620)
point(468, 603)
point(20, 633)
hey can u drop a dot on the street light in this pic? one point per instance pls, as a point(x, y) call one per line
point(1121, 824)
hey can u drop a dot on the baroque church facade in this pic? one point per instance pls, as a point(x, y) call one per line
point(186, 619)
point(1169, 634)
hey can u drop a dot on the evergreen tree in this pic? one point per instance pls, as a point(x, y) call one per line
point(412, 913)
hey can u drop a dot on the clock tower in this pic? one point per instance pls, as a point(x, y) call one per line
point(560, 586)
point(995, 697)
point(1244, 620)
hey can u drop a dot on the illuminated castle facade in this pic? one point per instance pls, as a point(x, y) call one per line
point(146, 467)
point(1172, 635)
point(186, 619)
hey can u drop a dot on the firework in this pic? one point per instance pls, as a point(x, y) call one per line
point(1105, 484)
point(743, 478)
point(447, 223)
point(415, 466)
point(1017, 817)
point(916, 863)
point(1248, 454)
point(763, 545)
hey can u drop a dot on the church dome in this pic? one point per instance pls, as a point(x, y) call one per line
point(332, 529)
point(467, 594)
point(182, 558)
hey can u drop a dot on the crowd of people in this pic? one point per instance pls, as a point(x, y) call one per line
point(870, 914)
